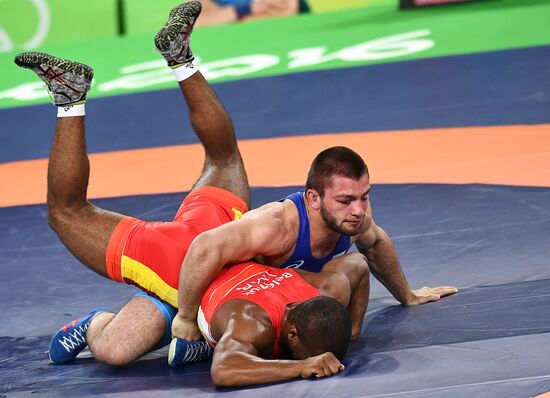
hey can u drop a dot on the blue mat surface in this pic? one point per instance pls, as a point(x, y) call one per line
point(491, 339)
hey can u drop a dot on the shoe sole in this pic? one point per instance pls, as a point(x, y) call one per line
point(180, 17)
point(33, 60)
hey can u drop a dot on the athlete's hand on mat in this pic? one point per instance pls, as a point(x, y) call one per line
point(321, 365)
point(185, 328)
point(427, 294)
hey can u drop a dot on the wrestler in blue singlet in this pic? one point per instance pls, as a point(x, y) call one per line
point(302, 257)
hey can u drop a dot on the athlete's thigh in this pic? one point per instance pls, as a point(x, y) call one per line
point(86, 232)
point(137, 329)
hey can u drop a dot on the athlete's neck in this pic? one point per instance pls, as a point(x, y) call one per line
point(322, 239)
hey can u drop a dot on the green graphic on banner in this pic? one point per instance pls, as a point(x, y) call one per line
point(310, 42)
point(27, 24)
point(141, 18)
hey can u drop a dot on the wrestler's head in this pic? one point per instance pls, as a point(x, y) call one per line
point(338, 187)
point(313, 327)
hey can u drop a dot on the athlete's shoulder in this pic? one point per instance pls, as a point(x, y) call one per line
point(274, 227)
point(253, 322)
point(297, 196)
point(245, 321)
point(284, 212)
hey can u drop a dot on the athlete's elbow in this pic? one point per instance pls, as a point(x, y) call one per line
point(227, 370)
point(222, 376)
point(204, 249)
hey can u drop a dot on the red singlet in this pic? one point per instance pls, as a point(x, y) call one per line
point(149, 254)
point(270, 288)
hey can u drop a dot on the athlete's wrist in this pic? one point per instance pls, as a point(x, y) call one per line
point(187, 315)
point(409, 298)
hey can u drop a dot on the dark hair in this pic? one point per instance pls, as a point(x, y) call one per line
point(337, 160)
point(323, 325)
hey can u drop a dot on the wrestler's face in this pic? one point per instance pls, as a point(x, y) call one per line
point(299, 351)
point(345, 206)
point(292, 346)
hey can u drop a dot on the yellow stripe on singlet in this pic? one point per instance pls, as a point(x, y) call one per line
point(145, 278)
point(238, 214)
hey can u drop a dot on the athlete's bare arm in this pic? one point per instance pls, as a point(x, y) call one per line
point(238, 355)
point(345, 279)
point(264, 231)
point(384, 264)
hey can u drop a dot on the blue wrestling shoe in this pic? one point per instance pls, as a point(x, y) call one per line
point(183, 352)
point(67, 343)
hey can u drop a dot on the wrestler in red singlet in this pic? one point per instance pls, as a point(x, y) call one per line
point(270, 288)
point(149, 254)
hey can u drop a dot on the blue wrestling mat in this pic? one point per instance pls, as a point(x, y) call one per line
point(492, 339)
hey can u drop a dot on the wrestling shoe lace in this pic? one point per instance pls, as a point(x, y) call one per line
point(183, 352)
point(67, 81)
point(70, 340)
point(172, 41)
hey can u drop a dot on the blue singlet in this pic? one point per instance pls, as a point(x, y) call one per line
point(302, 257)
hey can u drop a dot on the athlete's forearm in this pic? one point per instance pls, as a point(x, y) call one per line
point(358, 304)
point(245, 369)
point(200, 267)
point(384, 265)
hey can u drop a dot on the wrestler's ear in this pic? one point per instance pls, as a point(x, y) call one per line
point(313, 198)
point(292, 334)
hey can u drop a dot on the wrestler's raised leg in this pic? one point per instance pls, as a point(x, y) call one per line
point(108, 335)
point(223, 166)
point(84, 228)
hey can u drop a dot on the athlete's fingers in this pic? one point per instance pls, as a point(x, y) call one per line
point(335, 366)
point(329, 364)
point(445, 290)
point(322, 369)
point(431, 297)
